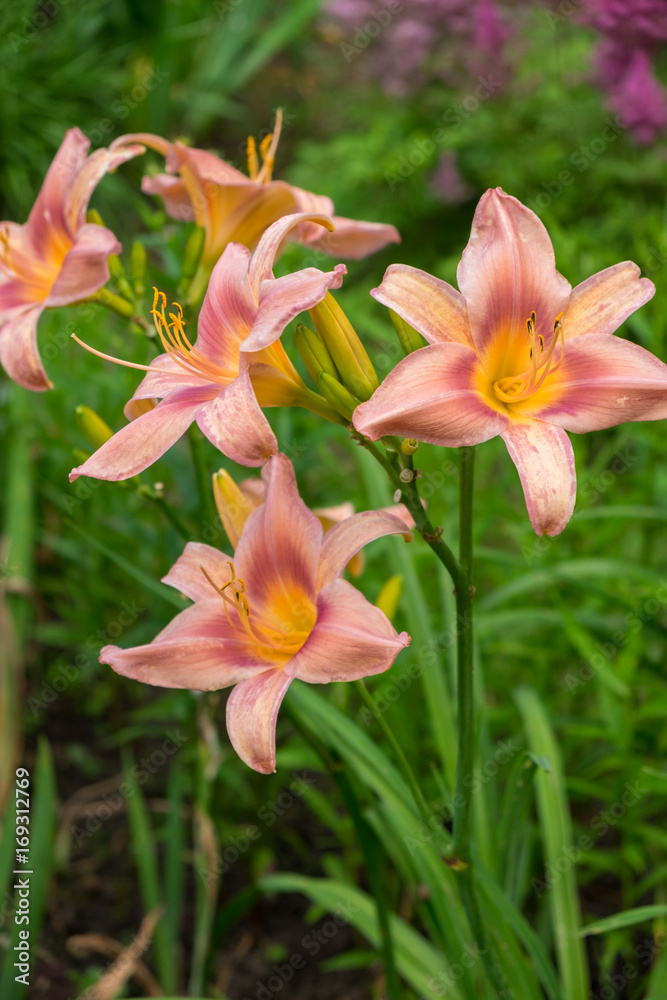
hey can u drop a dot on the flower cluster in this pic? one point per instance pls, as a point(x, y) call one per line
point(515, 352)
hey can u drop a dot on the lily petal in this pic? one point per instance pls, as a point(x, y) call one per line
point(79, 192)
point(431, 306)
point(18, 350)
point(186, 573)
point(228, 311)
point(164, 377)
point(252, 713)
point(233, 421)
point(48, 212)
point(198, 650)
point(347, 537)
point(85, 267)
point(544, 459)
point(281, 299)
point(136, 446)
point(432, 395)
point(261, 265)
point(508, 270)
point(350, 639)
point(174, 194)
point(603, 381)
point(354, 240)
point(279, 549)
point(602, 302)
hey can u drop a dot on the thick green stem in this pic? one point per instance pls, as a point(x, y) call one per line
point(464, 693)
point(466, 727)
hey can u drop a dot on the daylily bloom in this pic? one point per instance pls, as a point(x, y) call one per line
point(237, 501)
point(233, 207)
point(55, 258)
point(519, 353)
point(277, 611)
point(235, 367)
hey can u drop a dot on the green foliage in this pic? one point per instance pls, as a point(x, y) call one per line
point(581, 619)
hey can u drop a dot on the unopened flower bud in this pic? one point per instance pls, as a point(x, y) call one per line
point(92, 215)
point(389, 596)
point(92, 425)
point(138, 267)
point(191, 257)
point(409, 339)
point(314, 352)
point(337, 395)
point(348, 353)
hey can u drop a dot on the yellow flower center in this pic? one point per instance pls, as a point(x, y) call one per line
point(281, 631)
point(519, 367)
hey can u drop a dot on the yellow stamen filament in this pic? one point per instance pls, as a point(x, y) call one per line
point(118, 361)
point(175, 342)
point(514, 388)
point(253, 162)
point(285, 641)
point(267, 149)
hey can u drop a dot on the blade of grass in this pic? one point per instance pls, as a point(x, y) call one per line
point(145, 855)
point(556, 831)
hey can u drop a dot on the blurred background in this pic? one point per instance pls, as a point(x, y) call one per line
point(402, 112)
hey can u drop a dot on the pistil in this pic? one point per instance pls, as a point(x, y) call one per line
point(514, 388)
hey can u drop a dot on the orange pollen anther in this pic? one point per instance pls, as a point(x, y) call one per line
point(288, 640)
point(175, 342)
point(514, 388)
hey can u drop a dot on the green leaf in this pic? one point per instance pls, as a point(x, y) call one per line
point(556, 830)
point(421, 964)
point(627, 919)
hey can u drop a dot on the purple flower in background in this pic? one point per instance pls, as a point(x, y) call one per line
point(631, 32)
point(403, 49)
point(447, 183)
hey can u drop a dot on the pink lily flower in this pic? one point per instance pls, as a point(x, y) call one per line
point(276, 612)
point(233, 207)
point(237, 501)
point(56, 257)
point(235, 367)
point(519, 353)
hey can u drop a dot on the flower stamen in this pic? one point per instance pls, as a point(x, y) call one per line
point(514, 388)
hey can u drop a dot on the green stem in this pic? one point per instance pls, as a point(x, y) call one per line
point(464, 693)
point(460, 571)
point(169, 513)
point(202, 475)
point(466, 727)
point(395, 745)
